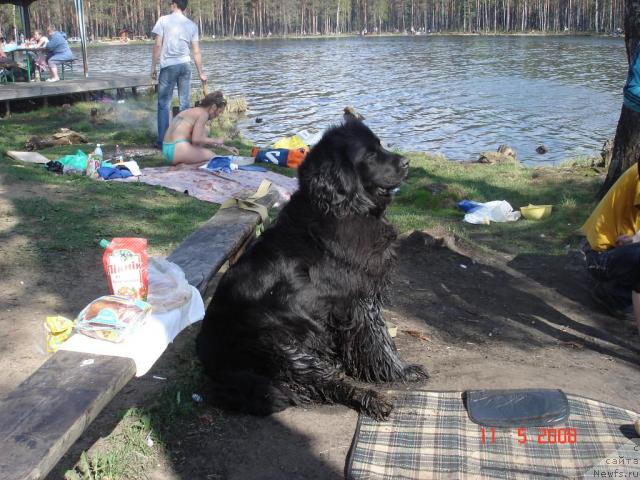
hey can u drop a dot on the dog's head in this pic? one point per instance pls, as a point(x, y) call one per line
point(348, 172)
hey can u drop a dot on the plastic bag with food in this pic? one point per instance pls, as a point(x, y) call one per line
point(112, 318)
point(168, 287)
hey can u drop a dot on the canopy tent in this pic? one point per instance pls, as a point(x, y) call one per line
point(23, 9)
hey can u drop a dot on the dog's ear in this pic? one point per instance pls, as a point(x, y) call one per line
point(329, 178)
point(331, 186)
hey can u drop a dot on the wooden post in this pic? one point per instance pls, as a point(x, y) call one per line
point(7, 113)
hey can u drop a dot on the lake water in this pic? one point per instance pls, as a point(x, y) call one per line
point(454, 95)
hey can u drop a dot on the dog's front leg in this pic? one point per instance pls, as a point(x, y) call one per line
point(364, 400)
point(367, 349)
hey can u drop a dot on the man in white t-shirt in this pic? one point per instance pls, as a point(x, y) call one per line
point(175, 35)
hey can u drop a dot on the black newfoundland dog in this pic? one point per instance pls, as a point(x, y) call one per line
point(299, 313)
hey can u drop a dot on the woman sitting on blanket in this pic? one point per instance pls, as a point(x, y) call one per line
point(186, 138)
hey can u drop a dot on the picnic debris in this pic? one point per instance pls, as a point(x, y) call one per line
point(63, 136)
point(417, 334)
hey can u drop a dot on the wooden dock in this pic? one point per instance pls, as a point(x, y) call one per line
point(75, 83)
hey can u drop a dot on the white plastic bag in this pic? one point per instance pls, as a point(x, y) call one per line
point(310, 136)
point(168, 287)
point(495, 211)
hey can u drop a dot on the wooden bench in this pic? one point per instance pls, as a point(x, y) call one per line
point(46, 413)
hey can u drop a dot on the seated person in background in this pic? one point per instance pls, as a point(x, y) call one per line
point(186, 137)
point(9, 46)
point(40, 39)
point(58, 52)
point(40, 58)
point(613, 256)
point(6, 64)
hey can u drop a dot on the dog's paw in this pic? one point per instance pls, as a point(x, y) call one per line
point(376, 405)
point(414, 373)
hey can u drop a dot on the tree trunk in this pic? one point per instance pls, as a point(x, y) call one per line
point(626, 146)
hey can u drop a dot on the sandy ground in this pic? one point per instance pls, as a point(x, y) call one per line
point(473, 319)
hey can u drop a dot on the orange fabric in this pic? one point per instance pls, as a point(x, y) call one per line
point(296, 157)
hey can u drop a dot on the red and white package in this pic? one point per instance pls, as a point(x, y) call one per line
point(125, 263)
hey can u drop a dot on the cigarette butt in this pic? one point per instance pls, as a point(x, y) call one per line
point(637, 425)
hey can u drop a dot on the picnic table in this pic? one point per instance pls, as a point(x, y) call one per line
point(27, 54)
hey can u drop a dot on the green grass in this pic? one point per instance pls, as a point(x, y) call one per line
point(570, 187)
point(129, 122)
point(143, 433)
point(570, 190)
point(69, 214)
point(125, 454)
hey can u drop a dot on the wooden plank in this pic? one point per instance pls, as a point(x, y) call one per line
point(202, 253)
point(16, 91)
point(28, 157)
point(46, 413)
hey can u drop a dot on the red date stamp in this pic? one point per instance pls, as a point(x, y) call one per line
point(542, 436)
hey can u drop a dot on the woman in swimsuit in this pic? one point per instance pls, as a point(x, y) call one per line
point(186, 138)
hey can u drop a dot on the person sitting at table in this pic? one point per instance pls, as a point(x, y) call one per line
point(58, 52)
point(9, 46)
point(40, 39)
point(6, 64)
point(40, 58)
point(4, 59)
point(186, 137)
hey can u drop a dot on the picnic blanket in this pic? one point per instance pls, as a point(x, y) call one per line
point(429, 436)
point(214, 187)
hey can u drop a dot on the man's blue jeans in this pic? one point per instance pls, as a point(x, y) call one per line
point(617, 272)
point(167, 80)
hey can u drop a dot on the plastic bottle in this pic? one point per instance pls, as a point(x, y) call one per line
point(94, 162)
point(119, 157)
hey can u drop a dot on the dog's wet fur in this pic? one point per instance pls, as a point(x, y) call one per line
point(300, 312)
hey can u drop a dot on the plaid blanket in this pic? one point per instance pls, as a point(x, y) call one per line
point(429, 436)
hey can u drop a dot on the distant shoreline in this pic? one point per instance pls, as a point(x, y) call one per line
point(211, 39)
